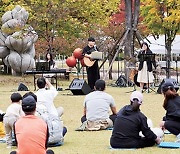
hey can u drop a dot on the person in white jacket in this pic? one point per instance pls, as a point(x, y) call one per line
point(46, 95)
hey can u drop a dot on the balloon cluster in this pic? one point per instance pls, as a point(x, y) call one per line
point(17, 40)
point(77, 55)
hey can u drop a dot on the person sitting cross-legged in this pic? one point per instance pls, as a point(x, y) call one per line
point(31, 132)
point(96, 109)
point(128, 124)
point(13, 112)
point(55, 125)
point(171, 121)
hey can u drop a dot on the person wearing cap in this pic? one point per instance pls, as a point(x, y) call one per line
point(31, 132)
point(96, 109)
point(129, 122)
point(171, 104)
point(46, 95)
point(13, 112)
point(93, 71)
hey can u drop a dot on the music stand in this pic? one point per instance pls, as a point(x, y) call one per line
point(150, 57)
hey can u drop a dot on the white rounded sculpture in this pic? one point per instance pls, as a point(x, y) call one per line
point(17, 40)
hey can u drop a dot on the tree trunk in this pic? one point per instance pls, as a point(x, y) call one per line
point(110, 61)
point(168, 43)
point(129, 39)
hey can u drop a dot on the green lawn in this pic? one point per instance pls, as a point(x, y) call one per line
point(87, 142)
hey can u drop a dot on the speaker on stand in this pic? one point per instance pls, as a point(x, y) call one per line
point(79, 87)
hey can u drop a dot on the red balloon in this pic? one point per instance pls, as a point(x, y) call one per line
point(82, 62)
point(77, 53)
point(71, 61)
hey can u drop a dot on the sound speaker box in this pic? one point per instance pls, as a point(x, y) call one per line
point(169, 80)
point(22, 87)
point(79, 87)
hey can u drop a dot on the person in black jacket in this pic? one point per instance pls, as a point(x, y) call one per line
point(145, 68)
point(171, 121)
point(93, 71)
point(49, 58)
point(129, 122)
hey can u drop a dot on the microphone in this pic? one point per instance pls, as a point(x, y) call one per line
point(95, 47)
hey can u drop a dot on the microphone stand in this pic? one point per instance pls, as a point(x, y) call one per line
point(176, 70)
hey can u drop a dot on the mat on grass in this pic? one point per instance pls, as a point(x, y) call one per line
point(121, 148)
point(169, 145)
point(3, 140)
point(167, 132)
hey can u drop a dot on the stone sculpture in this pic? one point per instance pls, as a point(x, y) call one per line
point(17, 41)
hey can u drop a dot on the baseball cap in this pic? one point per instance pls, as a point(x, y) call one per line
point(137, 95)
point(167, 85)
point(91, 39)
point(28, 104)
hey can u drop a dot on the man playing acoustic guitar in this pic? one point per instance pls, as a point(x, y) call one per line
point(92, 66)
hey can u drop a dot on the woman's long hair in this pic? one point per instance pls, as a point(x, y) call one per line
point(144, 43)
point(169, 94)
point(51, 61)
point(51, 57)
point(135, 105)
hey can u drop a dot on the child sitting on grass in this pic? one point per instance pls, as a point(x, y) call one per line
point(13, 112)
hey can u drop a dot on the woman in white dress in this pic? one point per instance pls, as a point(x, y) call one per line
point(145, 74)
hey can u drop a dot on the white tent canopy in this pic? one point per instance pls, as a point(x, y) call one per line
point(158, 46)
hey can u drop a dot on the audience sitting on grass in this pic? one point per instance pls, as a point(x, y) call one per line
point(31, 132)
point(55, 126)
point(2, 131)
point(13, 112)
point(171, 121)
point(96, 109)
point(46, 95)
point(128, 124)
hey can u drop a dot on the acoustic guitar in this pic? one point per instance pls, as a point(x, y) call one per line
point(88, 61)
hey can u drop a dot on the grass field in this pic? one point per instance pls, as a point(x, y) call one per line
point(88, 142)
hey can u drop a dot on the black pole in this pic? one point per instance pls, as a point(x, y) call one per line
point(176, 71)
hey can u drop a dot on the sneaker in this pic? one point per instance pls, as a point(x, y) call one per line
point(178, 136)
point(177, 141)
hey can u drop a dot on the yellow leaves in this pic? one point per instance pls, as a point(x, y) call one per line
point(161, 14)
point(9, 7)
point(153, 11)
point(6, 1)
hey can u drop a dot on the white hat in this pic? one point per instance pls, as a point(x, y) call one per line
point(138, 95)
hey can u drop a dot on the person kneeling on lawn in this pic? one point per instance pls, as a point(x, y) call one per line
point(129, 122)
point(96, 109)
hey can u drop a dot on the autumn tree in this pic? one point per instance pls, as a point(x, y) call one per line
point(162, 17)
